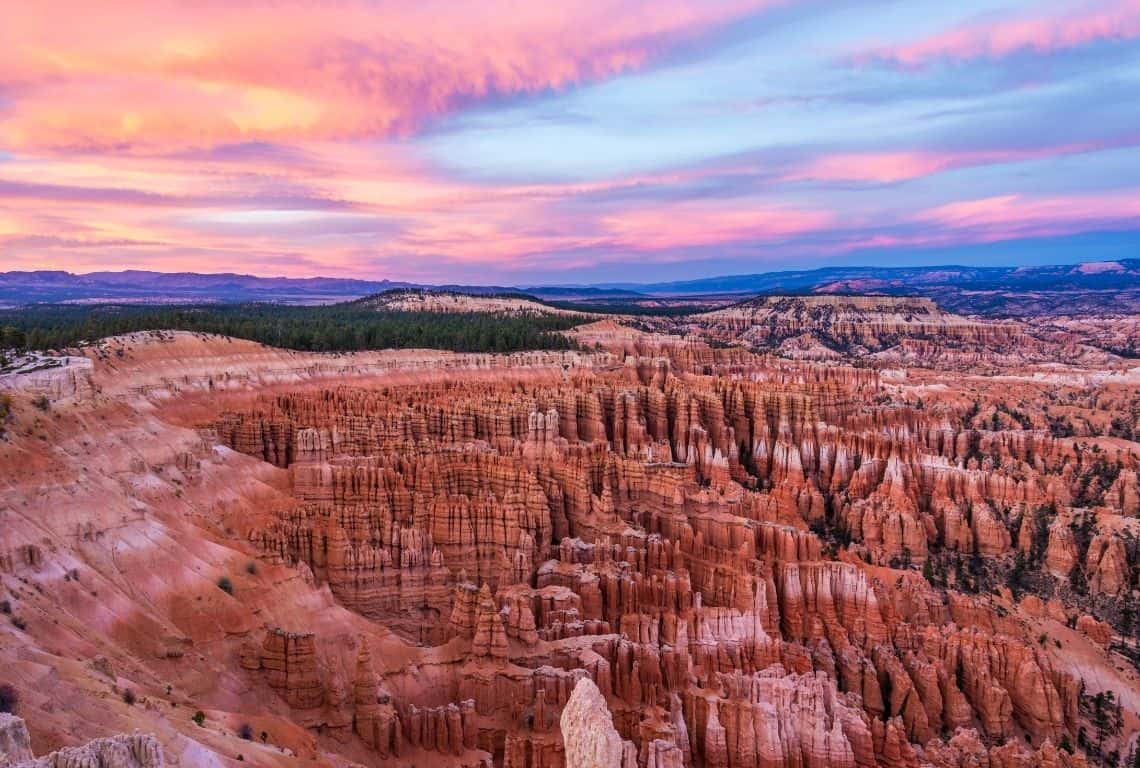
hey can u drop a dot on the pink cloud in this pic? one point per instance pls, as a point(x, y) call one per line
point(170, 73)
point(118, 211)
point(681, 225)
point(882, 167)
point(890, 167)
point(1042, 32)
point(1009, 216)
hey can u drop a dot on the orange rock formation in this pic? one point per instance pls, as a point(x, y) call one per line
point(664, 554)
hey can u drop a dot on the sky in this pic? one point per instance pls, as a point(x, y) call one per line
point(520, 142)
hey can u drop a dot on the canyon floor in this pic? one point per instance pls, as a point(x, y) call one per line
point(792, 533)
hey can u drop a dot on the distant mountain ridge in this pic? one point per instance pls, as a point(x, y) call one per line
point(1090, 287)
point(1113, 275)
point(147, 286)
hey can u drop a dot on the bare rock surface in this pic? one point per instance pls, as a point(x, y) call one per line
point(588, 730)
point(119, 751)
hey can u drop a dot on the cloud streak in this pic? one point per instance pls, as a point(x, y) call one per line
point(1009, 216)
point(1043, 30)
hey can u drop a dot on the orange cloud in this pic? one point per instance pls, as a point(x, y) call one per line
point(169, 73)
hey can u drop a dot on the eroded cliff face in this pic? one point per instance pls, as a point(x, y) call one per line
point(665, 555)
point(413, 300)
point(832, 327)
point(119, 751)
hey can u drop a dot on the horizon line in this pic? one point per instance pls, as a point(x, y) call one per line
point(598, 284)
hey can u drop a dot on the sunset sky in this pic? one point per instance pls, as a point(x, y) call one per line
point(595, 140)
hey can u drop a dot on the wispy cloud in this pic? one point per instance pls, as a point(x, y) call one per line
point(1024, 215)
point(1042, 28)
point(890, 167)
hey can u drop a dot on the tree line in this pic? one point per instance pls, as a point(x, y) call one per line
point(334, 327)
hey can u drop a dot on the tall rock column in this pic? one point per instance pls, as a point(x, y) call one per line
point(588, 732)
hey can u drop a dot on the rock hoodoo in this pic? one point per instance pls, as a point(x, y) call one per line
point(663, 553)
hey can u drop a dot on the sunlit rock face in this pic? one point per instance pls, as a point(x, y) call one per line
point(664, 553)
